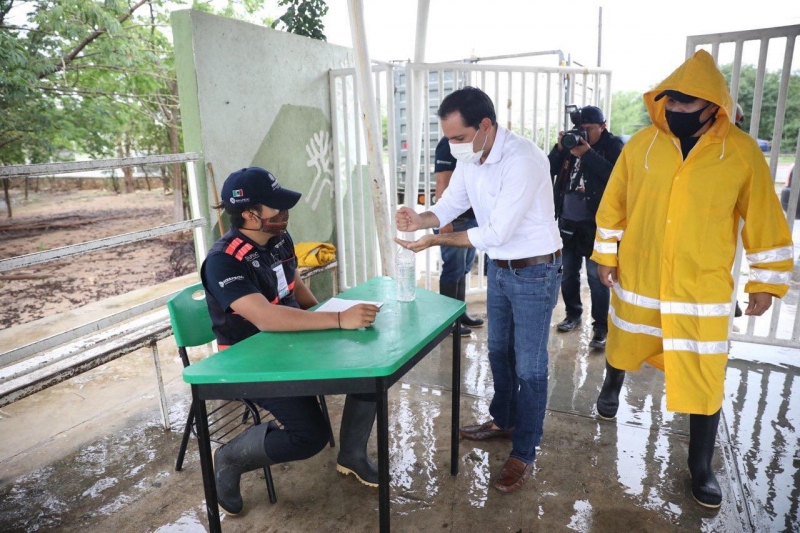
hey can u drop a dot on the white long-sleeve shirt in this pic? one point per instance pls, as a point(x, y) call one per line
point(512, 196)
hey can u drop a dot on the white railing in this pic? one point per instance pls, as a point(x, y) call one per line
point(357, 239)
point(529, 101)
point(774, 328)
point(197, 224)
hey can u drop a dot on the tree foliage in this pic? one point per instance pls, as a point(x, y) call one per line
point(628, 113)
point(97, 76)
point(747, 84)
point(83, 75)
point(303, 17)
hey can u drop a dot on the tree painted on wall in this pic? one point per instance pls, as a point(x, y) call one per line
point(303, 17)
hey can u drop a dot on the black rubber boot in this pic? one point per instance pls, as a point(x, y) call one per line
point(608, 400)
point(242, 454)
point(357, 420)
point(461, 294)
point(451, 290)
point(702, 439)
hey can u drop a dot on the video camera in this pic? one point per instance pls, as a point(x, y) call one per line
point(572, 138)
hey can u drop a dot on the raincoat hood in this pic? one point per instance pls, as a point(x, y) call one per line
point(700, 77)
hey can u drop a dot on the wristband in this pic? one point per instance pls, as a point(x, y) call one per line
point(339, 319)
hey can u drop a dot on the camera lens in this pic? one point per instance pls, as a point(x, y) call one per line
point(569, 141)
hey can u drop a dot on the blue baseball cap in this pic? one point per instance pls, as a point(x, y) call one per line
point(253, 186)
point(592, 115)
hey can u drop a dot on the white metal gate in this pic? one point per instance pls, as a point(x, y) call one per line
point(776, 328)
point(528, 100)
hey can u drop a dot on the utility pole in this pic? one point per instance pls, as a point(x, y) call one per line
point(599, 37)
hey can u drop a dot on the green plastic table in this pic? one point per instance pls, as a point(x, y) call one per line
point(312, 363)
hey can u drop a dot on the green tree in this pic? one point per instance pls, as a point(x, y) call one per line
point(791, 124)
point(628, 113)
point(303, 17)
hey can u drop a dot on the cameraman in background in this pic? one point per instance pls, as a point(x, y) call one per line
point(581, 164)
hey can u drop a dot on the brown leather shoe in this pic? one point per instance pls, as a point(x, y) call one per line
point(513, 475)
point(484, 432)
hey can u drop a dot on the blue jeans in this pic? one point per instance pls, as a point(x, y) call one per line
point(456, 261)
point(571, 289)
point(520, 304)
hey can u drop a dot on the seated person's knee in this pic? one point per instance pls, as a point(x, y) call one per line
point(311, 440)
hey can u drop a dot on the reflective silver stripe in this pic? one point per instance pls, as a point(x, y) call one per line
point(611, 233)
point(680, 308)
point(770, 256)
point(769, 276)
point(605, 247)
point(630, 327)
point(636, 299)
point(672, 308)
point(688, 345)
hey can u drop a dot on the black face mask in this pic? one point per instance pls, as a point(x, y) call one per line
point(684, 125)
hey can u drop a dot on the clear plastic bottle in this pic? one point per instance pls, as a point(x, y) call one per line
point(406, 275)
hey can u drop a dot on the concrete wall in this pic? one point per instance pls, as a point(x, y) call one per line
point(253, 96)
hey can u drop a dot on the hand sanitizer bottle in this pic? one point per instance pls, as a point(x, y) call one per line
point(405, 271)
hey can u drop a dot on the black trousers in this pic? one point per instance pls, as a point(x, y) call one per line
point(305, 431)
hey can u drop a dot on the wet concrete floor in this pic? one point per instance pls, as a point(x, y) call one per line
point(91, 455)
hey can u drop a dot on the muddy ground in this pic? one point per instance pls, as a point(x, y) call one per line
point(50, 220)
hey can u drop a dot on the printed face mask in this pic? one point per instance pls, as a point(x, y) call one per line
point(684, 125)
point(277, 224)
point(463, 151)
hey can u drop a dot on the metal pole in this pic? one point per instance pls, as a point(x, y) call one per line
point(372, 129)
point(455, 420)
point(338, 177)
point(415, 83)
point(600, 37)
point(200, 244)
point(206, 463)
point(162, 395)
point(780, 114)
point(384, 476)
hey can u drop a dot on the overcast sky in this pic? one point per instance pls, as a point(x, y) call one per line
point(643, 40)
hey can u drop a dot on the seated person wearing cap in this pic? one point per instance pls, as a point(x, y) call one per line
point(252, 284)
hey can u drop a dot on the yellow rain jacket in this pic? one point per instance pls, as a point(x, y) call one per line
point(670, 227)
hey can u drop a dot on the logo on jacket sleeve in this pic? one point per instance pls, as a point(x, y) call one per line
point(226, 281)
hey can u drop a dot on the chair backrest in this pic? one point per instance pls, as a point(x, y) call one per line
point(188, 313)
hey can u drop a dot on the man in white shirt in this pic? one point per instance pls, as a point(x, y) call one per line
point(506, 180)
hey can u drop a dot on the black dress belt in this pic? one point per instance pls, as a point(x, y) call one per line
point(528, 261)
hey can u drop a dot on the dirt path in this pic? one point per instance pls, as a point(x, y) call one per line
point(51, 220)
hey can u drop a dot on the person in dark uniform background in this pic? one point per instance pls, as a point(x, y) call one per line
point(456, 262)
point(580, 178)
point(252, 284)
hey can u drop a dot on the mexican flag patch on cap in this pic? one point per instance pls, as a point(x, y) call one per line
point(238, 193)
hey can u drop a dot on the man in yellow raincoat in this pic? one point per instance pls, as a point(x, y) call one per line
point(665, 243)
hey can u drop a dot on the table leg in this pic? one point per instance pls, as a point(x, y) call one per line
point(383, 454)
point(456, 399)
point(207, 467)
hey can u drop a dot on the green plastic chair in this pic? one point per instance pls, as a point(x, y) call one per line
point(191, 326)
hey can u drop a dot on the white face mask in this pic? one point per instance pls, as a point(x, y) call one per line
point(463, 151)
